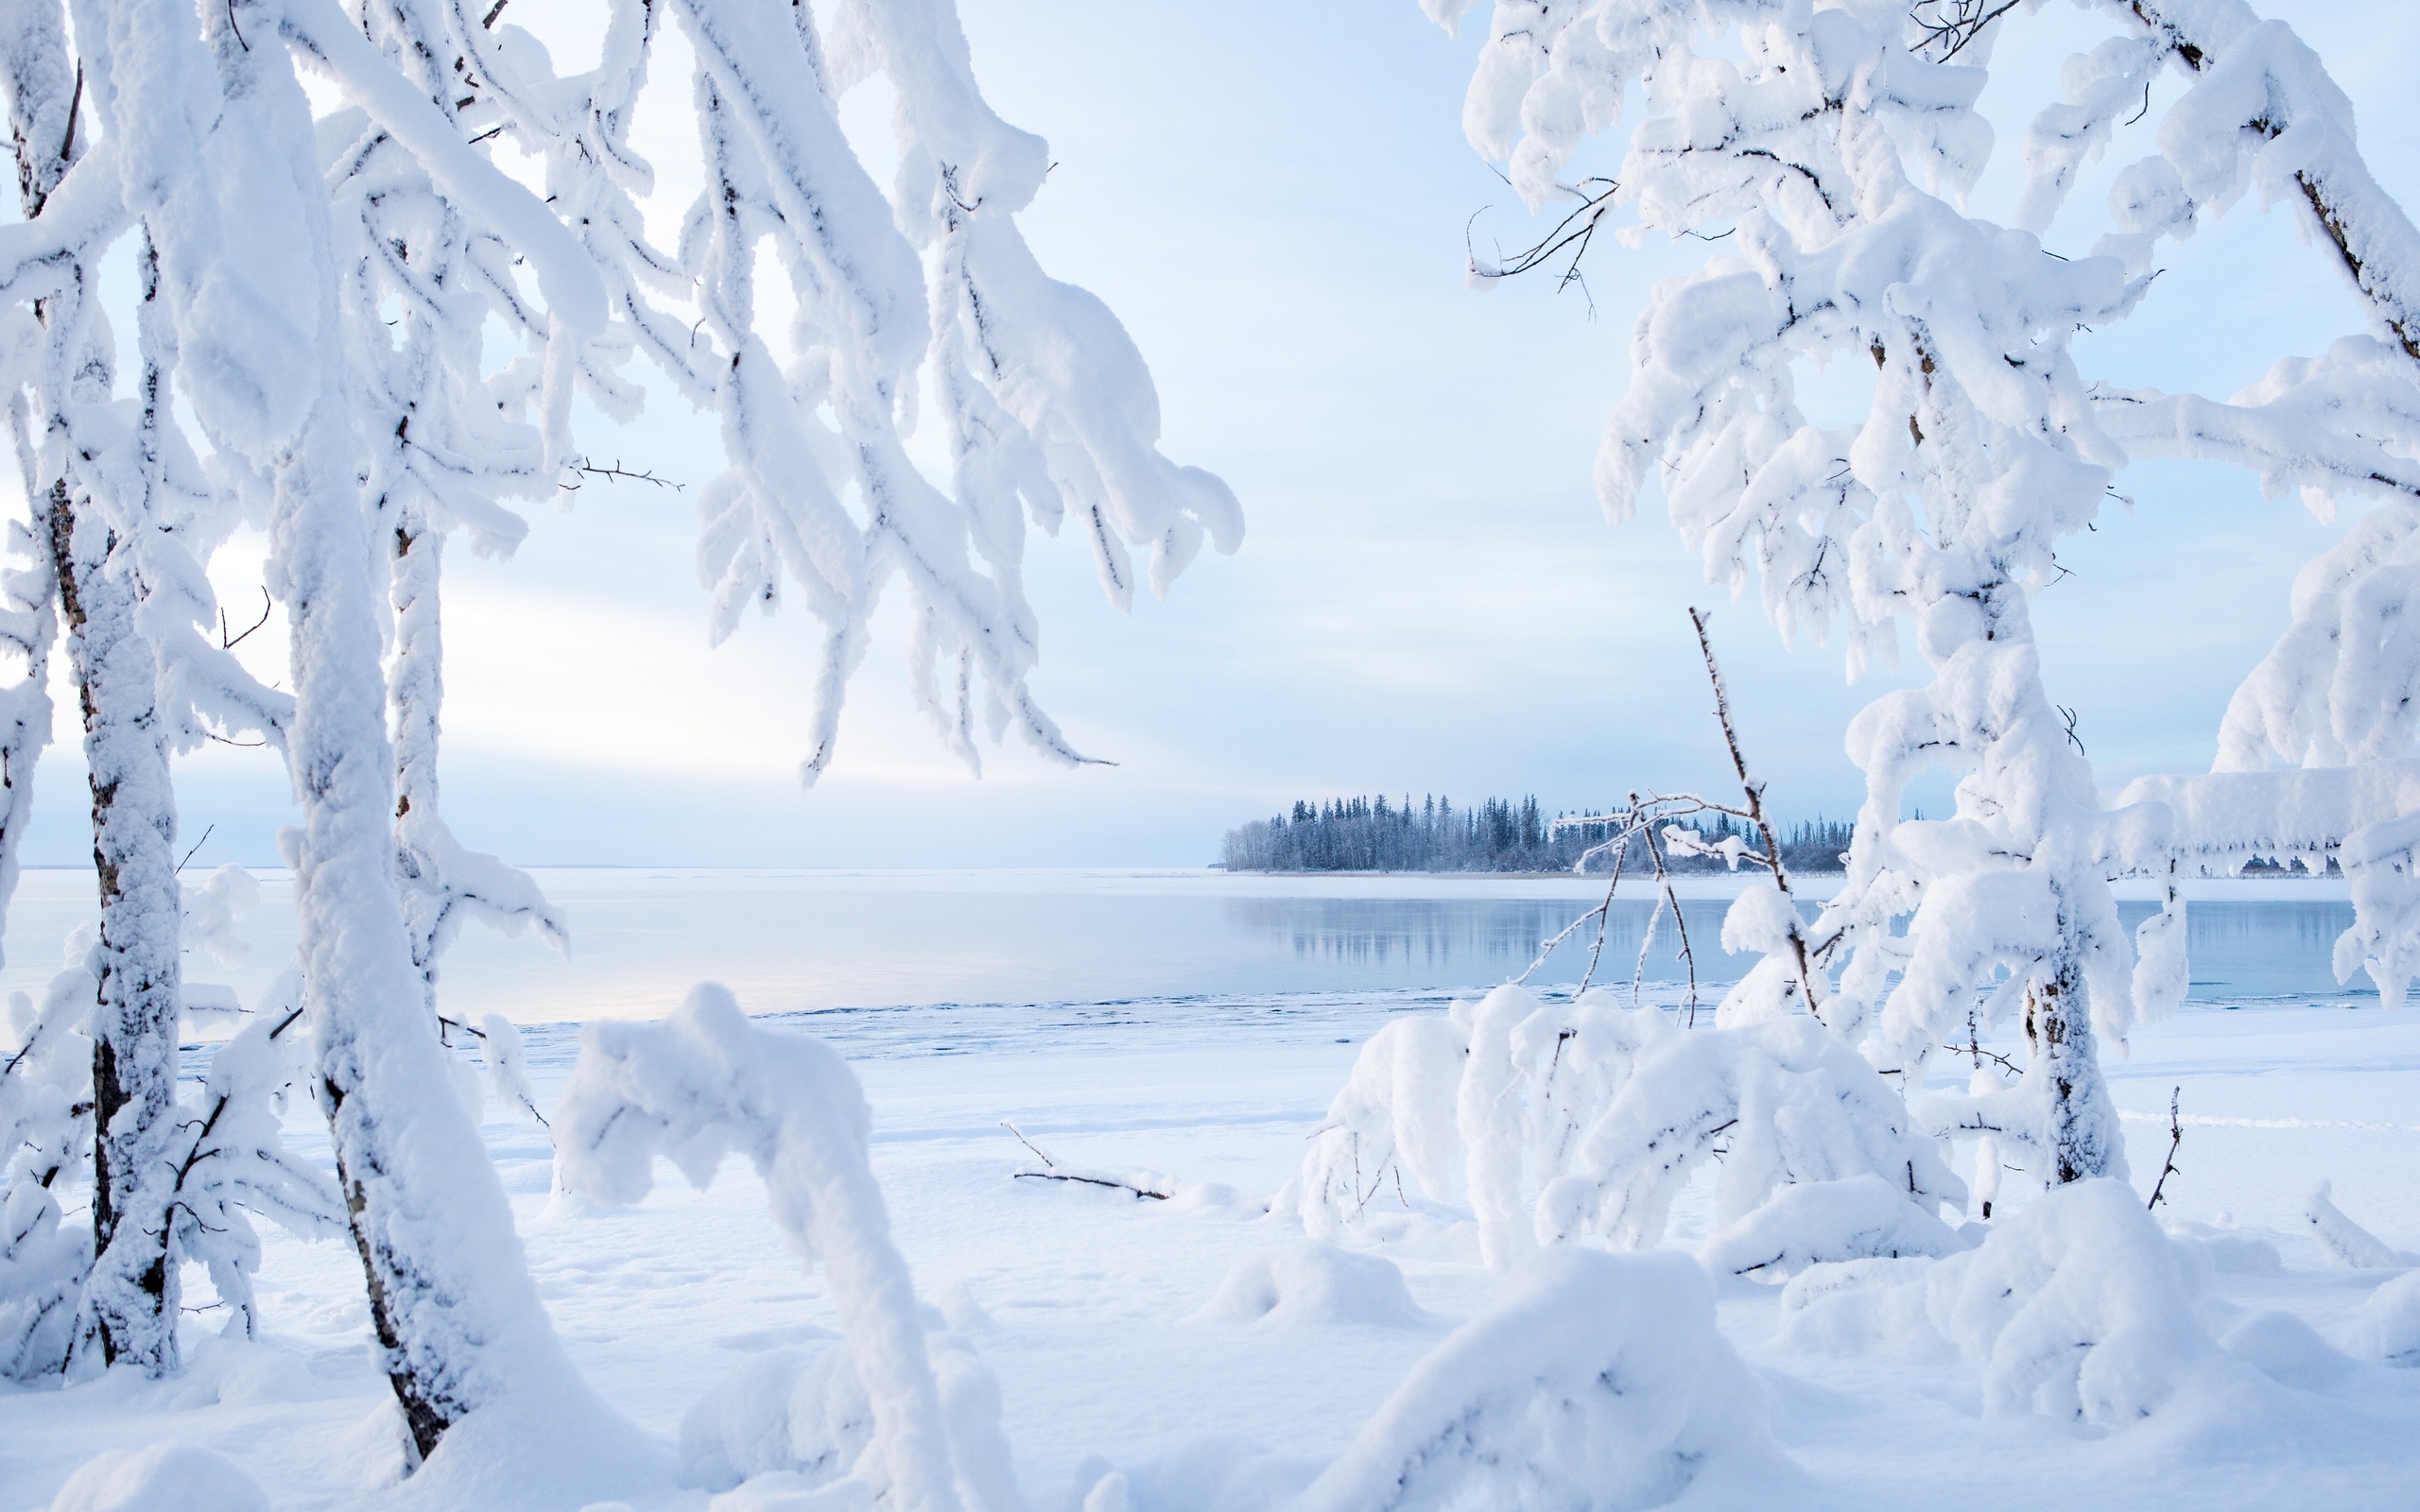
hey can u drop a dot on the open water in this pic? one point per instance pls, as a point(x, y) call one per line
point(802, 941)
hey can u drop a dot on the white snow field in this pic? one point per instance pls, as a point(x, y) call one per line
point(1200, 1351)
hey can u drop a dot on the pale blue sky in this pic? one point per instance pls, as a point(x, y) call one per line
point(1273, 199)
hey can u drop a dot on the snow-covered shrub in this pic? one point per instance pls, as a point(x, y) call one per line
point(166, 1477)
point(2080, 1306)
point(1558, 1120)
point(1599, 1381)
point(704, 1082)
point(1311, 1283)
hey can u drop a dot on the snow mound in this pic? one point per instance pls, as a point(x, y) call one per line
point(2288, 1350)
point(1863, 1217)
point(2077, 1307)
point(1600, 1381)
point(1213, 1473)
point(796, 1428)
point(1312, 1283)
point(162, 1478)
point(2388, 1327)
point(2231, 1254)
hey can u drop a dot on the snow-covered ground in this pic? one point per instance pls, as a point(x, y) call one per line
point(1093, 1306)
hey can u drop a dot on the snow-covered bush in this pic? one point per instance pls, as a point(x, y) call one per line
point(1596, 1381)
point(2079, 1306)
point(704, 1082)
point(1555, 1121)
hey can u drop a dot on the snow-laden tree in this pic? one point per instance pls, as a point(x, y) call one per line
point(128, 518)
point(1823, 152)
point(323, 293)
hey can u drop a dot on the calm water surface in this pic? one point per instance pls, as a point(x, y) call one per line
point(795, 941)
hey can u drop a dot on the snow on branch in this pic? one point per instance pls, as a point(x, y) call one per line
point(705, 1081)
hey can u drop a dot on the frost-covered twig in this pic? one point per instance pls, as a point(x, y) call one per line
point(2175, 1139)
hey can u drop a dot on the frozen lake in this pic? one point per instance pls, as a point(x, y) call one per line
point(809, 940)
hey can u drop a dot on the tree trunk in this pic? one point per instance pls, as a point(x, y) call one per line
point(2082, 1139)
point(132, 1296)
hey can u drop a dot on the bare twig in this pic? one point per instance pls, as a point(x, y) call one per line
point(1953, 23)
point(197, 846)
point(616, 473)
point(2175, 1137)
point(228, 642)
point(1755, 791)
point(1574, 231)
point(1140, 1193)
point(1039, 1152)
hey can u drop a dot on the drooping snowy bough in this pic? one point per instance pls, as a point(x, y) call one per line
point(1048, 407)
point(705, 1082)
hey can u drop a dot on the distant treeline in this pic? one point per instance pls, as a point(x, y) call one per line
point(1499, 834)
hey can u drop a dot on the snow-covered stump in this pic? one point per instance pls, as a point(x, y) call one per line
point(1599, 1382)
point(705, 1081)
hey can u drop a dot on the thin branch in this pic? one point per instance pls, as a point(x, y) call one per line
point(197, 846)
point(1039, 1152)
point(616, 473)
point(2175, 1137)
point(1092, 1181)
point(227, 643)
point(1755, 792)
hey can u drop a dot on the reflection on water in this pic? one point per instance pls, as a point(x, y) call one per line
point(1467, 942)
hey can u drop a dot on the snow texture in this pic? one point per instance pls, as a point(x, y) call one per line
point(166, 1477)
point(1597, 1380)
point(1312, 1285)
